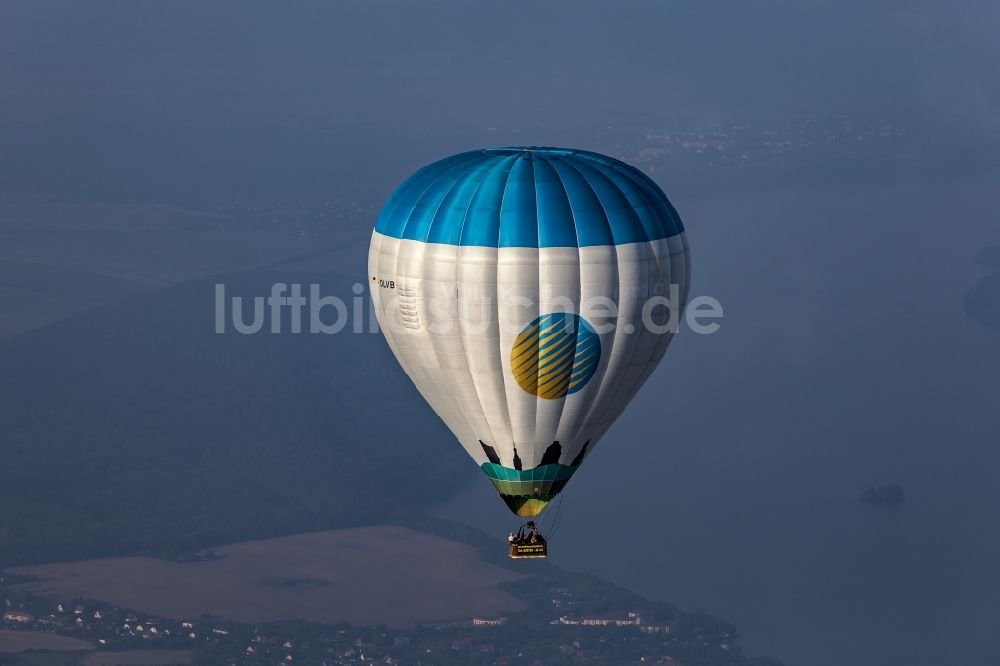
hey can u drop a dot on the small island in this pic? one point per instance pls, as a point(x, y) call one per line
point(883, 495)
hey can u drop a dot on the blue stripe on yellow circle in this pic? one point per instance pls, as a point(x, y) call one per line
point(555, 355)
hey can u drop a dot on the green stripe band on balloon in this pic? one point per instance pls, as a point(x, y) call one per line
point(527, 491)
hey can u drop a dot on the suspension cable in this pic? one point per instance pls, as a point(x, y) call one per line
point(555, 520)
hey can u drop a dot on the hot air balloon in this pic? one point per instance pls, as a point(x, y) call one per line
point(513, 285)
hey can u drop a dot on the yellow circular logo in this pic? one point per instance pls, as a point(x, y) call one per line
point(555, 355)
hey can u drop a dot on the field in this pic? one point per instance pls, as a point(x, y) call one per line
point(368, 575)
point(20, 641)
point(138, 658)
point(60, 259)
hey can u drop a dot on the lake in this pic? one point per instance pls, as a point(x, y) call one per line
point(845, 359)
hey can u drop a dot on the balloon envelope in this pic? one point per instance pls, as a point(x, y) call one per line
point(514, 286)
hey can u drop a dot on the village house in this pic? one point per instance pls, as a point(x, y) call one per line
point(632, 619)
point(566, 619)
point(19, 617)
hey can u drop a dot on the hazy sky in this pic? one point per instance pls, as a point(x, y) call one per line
point(480, 64)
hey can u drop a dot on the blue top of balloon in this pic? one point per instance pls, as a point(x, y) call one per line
point(529, 197)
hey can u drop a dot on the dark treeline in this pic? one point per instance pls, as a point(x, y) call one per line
point(135, 428)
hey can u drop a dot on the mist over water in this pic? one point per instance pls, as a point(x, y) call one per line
point(845, 360)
